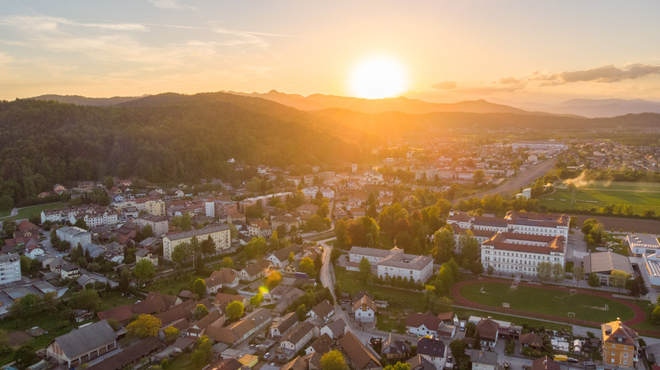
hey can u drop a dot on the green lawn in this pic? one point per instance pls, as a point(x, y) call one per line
point(647, 324)
point(392, 321)
point(465, 313)
point(350, 283)
point(549, 302)
point(25, 213)
point(114, 299)
point(641, 196)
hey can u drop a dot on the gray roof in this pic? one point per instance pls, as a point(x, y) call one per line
point(298, 332)
point(382, 253)
point(200, 232)
point(483, 357)
point(12, 257)
point(431, 347)
point(337, 327)
point(420, 362)
point(605, 262)
point(286, 323)
point(402, 261)
point(84, 339)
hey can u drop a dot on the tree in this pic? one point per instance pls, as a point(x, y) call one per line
point(307, 266)
point(4, 341)
point(124, 280)
point(233, 231)
point(204, 352)
point(333, 360)
point(200, 311)
point(365, 268)
point(86, 299)
point(257, 299)
point(81, 224)
point(618, 278)
point(26, 355)
point(227, 263)
point(108, 182)
point(26, 306)
point(457, 347)
point(398, 366)
point(235, 310)
point(186, 222)
point(441, 304)
point(469, 246)
point(477, 341)
point(208, 246)
point(544, 271)
point(180, 253)
point(301, 312)
point(273, 279)
point(143, 327)
point(578, 273)
point(334, 255)
point(34, 219)
point(171, 333)
point(147, 231)
point(199, 288)
point(6, 202)
point(479, 176)
point(558, 272)
point(144, 270)
point(637, 287)
point(655, 315)
point(593, 280)
point(444, 242)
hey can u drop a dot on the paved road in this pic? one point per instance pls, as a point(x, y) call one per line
point(519, 181)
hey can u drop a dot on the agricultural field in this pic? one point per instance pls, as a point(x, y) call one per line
point(641, 195)
point(535, 300)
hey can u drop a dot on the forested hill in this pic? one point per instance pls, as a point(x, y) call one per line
point(161, 138)
point(83, 100)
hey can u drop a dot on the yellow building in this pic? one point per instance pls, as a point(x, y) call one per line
point(155, 207)
point(220, 234)
point(619, 345)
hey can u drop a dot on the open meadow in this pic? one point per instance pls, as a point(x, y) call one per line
point(641, 195)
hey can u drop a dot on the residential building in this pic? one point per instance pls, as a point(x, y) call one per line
point(603, 263)
point(395, 349)
point(10, 268)
point(93, 215)
point(225, 277)
point(545, 363)
point(619, 345)
point(260, 229)
point(365, 309)
point(488, 331)
point(335, 329)
point(74, 235)
point(423, 324)
point(159, 224)
point(281, 327)
point(531, 340)
point(69, 271)
point(642, 244)
point(83, 344)
point(219, 233)
point(145, 254)
point(239, 331)
point(323, 311)
point(280, 258)
point(357, 355)
point(320, 346)
point(521, 253)
point(515, 222)
point(155, 207)
point(419, 362)
point(484, 360)
point(131, 355)
point(295, 339)
point(395, 263)
point(433, 350)
point(254, 271)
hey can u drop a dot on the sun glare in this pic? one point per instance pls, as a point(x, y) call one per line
point(378, 77)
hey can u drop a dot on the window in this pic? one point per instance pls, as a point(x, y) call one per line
point(612, 353)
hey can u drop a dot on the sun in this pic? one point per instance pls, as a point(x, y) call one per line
point(378, 77)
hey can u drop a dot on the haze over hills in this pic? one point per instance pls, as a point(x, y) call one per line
point(593, 108)
point(83, 100)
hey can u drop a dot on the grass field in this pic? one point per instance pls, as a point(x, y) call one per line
point(391, 320)
point(25, 213)
point(537, 300)
point(464, 313)
point(350, 283)
point(641, 196)
point(173, 284)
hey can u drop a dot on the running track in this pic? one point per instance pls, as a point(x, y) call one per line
point(638, 318)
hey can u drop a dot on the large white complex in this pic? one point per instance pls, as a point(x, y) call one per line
point(515, 222)
point(92, 214)
point(220, 234)
point(521, 253)
point(550, 145)
point(74, 235)
point(10, 268)
point(395, 263)
point(643, 244)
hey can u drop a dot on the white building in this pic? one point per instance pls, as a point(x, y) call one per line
point(643, 244)
point(159, 224)
point(652, 264)
point(521, 253)
point(92, 214)
point(74, 235)
point(296, 338)
point(10, 268)
point(540, 145)
point(395, 263)
point(516, 222)
point(220, 234)
point(433, 350)
point(365, 309)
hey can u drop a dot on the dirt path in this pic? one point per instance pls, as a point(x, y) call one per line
point(638, 318)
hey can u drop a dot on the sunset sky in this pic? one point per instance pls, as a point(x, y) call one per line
point(537, 51)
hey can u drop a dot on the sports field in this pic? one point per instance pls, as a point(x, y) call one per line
point(641, 195)
point(545, 301)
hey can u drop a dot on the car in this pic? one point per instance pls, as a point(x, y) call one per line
point(251, 345)
point(266, 355)
point(573, 360)
point(507, 365)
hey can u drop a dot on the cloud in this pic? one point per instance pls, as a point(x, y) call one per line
point(509, 80)
point(170, 4)
point(51, 24)
point(445, 85)
point(603, 74)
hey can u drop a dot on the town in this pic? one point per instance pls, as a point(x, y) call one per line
point(439, 255)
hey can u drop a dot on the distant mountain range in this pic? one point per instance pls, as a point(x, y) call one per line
point(83, 100)
point(593, 108)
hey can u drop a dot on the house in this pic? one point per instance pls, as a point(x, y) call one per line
point(323, 310)
point(222, 300)
point(423, 324)
point(357, 354)
point(320, 346)
point(335, 329)
point(488, 332)
point(131, 355)
point(159, 224)
point(226, 364)
point(260, 229)
point(419, 362)
point(254, 271)
point(532, 340)
point(10, 265)
point(545, 363)
point(395, 263)
point(74, 235)
point(395, 349)
point(365, 309)
point(433, 350)
point(69, 271)
point(281, 327)
point(620, 345)
point(33, 249)
point(285, 299)
point(214, 318)
point(225, 277)
point(239, 331)
point(58, 189)
point(145, 254)
point(603, 263)
point(280, 258)
point(83, 344)
point(484, 360)
point(295, 339)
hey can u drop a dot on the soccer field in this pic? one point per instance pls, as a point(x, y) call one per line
point(640, 195)
point(545, 301)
